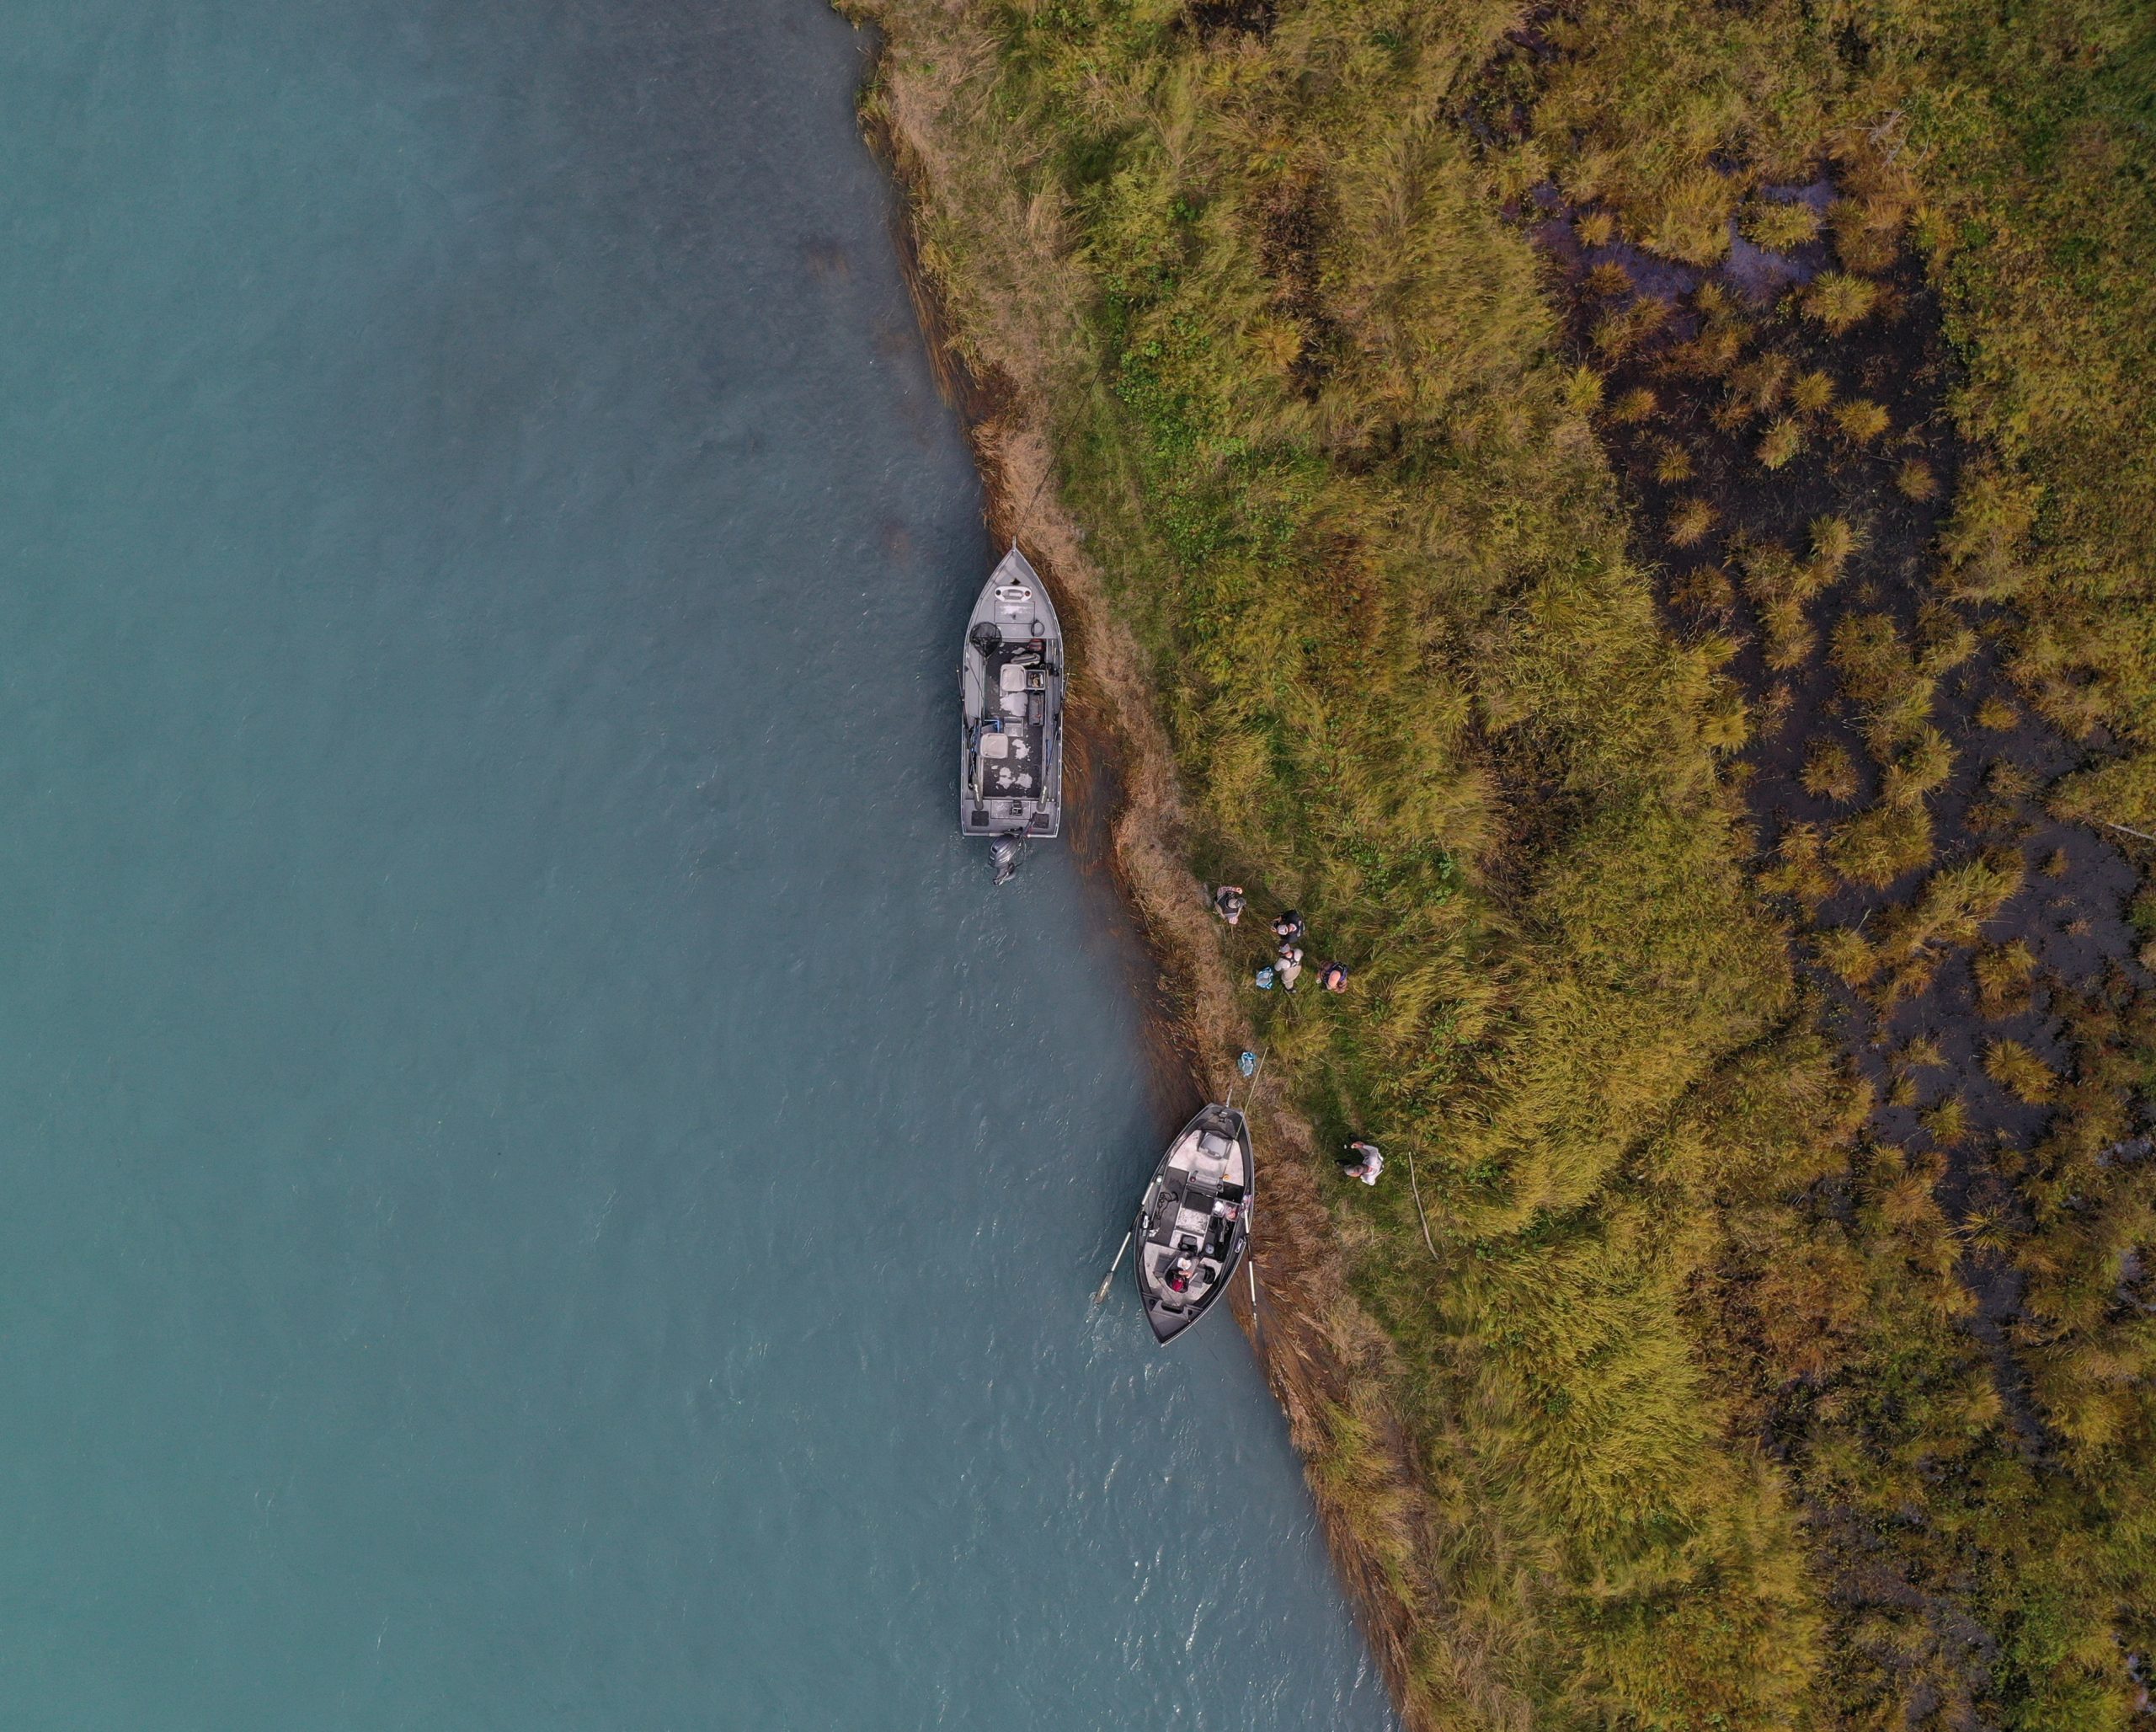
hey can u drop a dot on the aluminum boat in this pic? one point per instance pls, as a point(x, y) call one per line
point(1010, 699)
point(1194, 1223)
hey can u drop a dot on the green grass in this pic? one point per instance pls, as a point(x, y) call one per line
point(1307, 399)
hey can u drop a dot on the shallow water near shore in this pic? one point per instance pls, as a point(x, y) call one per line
point(542, 1189)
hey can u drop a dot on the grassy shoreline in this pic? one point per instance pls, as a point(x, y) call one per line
point(1285, 410)
point(1304, 1323)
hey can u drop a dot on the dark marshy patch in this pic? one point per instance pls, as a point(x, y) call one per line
point(1783, 429)
point(1234, 18)
point(1293, 225)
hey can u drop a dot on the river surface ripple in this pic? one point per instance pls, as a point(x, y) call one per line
point(542, 1188)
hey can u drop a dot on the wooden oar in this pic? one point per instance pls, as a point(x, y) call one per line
point(1101, 1291)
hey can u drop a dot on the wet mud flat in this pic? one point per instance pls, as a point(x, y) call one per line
point(1794, 487)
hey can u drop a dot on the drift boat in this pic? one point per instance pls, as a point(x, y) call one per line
point(1010, 697)
point(1194, 1221)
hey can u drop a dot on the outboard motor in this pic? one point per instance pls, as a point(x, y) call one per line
point(1003, 855)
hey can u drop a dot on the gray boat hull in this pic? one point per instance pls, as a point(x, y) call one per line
point(1011, 693)
point(1197, 1210)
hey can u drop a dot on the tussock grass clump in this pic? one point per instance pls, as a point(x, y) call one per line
point(1617, 335)
point(2008, 779)
point(1757, 386)
point(1837, 300)
point(2005, 976)
point(1953, 906)
point(1882, 844)
point(2020, 1072)
point(1885, 680)
point(1922, 1054)
point(1916, 481)
point(1944, 639)
point(1834, 541)
point(1947, 1123)
point(1831, 773)
point(1997, 714)
point(1691, 221)
point(1811, 392)
point(1861, 420)
point(1924, 762)
point(1868, 226)
point(1844, 950)
point(1779, 225)
point(1705, 589)
point(1710, 354)
point(1691, 523)
point(1800, 869)
point(1783, 441)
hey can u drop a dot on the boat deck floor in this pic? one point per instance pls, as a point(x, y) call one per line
point(1012, 758)
point(1185, 1221)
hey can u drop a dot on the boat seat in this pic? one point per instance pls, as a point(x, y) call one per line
point(1209, 1160)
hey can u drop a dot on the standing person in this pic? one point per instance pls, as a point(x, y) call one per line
point(1288, 927)
point(1289, 969)
point(1333, 977)
point(1363, 1161)
point(1228, 902)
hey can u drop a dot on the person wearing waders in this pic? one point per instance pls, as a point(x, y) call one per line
point(1228, 902)
point(1289, 970)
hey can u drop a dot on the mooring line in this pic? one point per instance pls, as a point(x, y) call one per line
point(1415, 1187)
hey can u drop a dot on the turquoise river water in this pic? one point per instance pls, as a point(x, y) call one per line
point(541, 1188)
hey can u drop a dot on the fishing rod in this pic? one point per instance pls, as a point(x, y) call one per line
point(1101, 1292)
point(1419, 1215)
